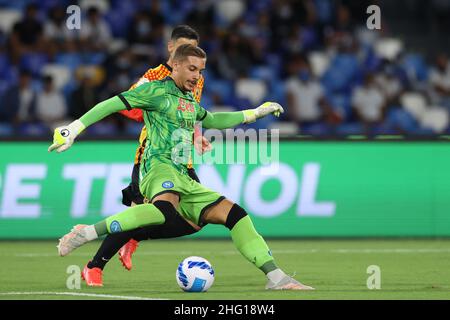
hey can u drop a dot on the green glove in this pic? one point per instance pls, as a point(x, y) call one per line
point(63, 137)
point(251, 115)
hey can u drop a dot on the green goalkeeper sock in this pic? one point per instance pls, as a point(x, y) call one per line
point(252, 246)
point(129, 219)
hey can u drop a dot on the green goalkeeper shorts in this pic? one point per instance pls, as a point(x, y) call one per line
point(195, 198)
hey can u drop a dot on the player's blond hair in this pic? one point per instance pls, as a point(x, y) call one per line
point(188, 50)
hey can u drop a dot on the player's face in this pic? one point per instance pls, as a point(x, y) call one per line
point(189, 71)
point(173, 45)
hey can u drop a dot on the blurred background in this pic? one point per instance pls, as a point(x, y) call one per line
point(335, 77)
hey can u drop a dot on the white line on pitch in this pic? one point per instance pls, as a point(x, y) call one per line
point(298, 251)
point(75, 294)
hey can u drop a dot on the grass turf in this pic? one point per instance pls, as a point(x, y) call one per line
point(410, 269)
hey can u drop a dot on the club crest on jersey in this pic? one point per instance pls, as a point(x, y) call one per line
point(185, 106)
point(167, 184)
point(115, 226)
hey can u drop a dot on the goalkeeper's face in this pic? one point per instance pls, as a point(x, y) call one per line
point(187, 72)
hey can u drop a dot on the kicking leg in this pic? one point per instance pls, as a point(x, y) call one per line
point(129, 219)
point(250, 244)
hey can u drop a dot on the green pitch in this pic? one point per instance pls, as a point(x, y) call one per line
point(410, 269)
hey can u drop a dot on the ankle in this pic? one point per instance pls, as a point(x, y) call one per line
point(276, 275)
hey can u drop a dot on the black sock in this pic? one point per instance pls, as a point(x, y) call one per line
point(111, 245)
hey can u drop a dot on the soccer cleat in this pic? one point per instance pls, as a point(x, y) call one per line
point(74, 239)
point(287, 283)
point(93, 277)
point(126, 252)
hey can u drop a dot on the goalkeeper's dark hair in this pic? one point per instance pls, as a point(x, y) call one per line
point(184, 31)
point(188, 50)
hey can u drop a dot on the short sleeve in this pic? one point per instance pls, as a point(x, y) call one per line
point(147, 96)
point(201, 112)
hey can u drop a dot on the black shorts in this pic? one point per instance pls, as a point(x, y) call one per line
point(132, 194)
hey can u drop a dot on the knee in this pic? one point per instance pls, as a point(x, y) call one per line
point(234, 216)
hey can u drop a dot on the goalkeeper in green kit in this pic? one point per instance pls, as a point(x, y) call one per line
point(170, 112)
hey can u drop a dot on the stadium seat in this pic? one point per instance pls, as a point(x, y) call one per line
point(94, 58)
point(33, 62)
point(61, 74)
point(6, 130)
point(34, 129)
point(341, 103)
point(8, 17)
point(436, 119)
point(223, 88)
point(222, 108)
point(342, 74)
point(414, 103)
point(70, 60)
point(317, 129)
point(263, 72)
point(398, 120)
point(285, 128)
point(133, 128)
point(277, 93)
point(4, 65)
point(102, 129)
point(253, 89)
point(349, 129)
point(118, 21)
point(415, 67)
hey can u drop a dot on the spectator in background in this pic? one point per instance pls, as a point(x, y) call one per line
point(19, 102)
point(55, 28)
point(27, 33)
point(440, 81)
point(147, 27)
point(236, 58)
point(51, 107)
point(95, 32)
point(369, 103)
point(389, 84)
point(84, 97)
point(201, 18)
point(305, 96)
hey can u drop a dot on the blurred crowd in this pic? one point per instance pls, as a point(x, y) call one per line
point(317, 58)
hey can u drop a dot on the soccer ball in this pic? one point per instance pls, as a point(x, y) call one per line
point(195, 274)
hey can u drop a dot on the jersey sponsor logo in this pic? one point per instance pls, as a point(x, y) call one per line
point(185, 106)
point(115, 226)
point(167, 184)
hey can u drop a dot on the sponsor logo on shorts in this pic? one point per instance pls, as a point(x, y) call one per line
point(115, 226)
point(167, 184)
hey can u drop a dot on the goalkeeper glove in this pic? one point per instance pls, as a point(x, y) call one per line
point(63, 137)
point(263, 110)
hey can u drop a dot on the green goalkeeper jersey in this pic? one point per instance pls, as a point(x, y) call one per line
point(169, 115)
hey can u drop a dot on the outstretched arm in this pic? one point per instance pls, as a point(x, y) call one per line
point(145, 97)
point(63, 137)
point(224, 120)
